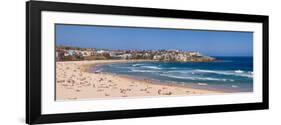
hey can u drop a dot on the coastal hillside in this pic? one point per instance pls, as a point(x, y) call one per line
point(65, 53)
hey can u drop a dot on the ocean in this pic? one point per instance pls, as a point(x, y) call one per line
point(231, 74)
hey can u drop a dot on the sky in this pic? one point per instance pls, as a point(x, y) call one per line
point(212, 43)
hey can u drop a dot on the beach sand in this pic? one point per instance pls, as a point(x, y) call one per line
point(75, 82)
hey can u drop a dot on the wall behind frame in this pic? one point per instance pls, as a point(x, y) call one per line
point(12, 64)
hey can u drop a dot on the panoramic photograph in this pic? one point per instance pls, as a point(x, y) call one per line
point(113, 62)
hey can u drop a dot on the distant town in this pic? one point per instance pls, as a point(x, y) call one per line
point(68, 53)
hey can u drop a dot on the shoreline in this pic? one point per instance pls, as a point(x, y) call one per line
point(75, 81)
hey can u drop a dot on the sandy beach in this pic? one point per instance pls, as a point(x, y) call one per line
point(75, 82)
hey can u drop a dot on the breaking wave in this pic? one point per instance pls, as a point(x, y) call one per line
point(196, 78)
point(151, 67)
point(235, 73)
point(138, 70)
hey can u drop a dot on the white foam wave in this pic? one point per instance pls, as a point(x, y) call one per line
point(180, 71)
point(235, 73)
point(137, 70)
point(151, 67)
point(238, 71)
point(196, 78)
point(135, 65)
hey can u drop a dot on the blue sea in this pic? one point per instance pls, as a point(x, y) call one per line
point(231, 74)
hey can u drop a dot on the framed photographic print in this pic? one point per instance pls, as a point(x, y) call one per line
point(94, 62)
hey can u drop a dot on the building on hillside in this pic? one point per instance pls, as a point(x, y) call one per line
point(86, 53)
point(102, 51)
point(126, 56)
point(59, 54)
point(194, 54)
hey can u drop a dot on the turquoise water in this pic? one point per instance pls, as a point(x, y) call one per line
point(234, 74)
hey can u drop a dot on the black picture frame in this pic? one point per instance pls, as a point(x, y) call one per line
point(33, 61)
